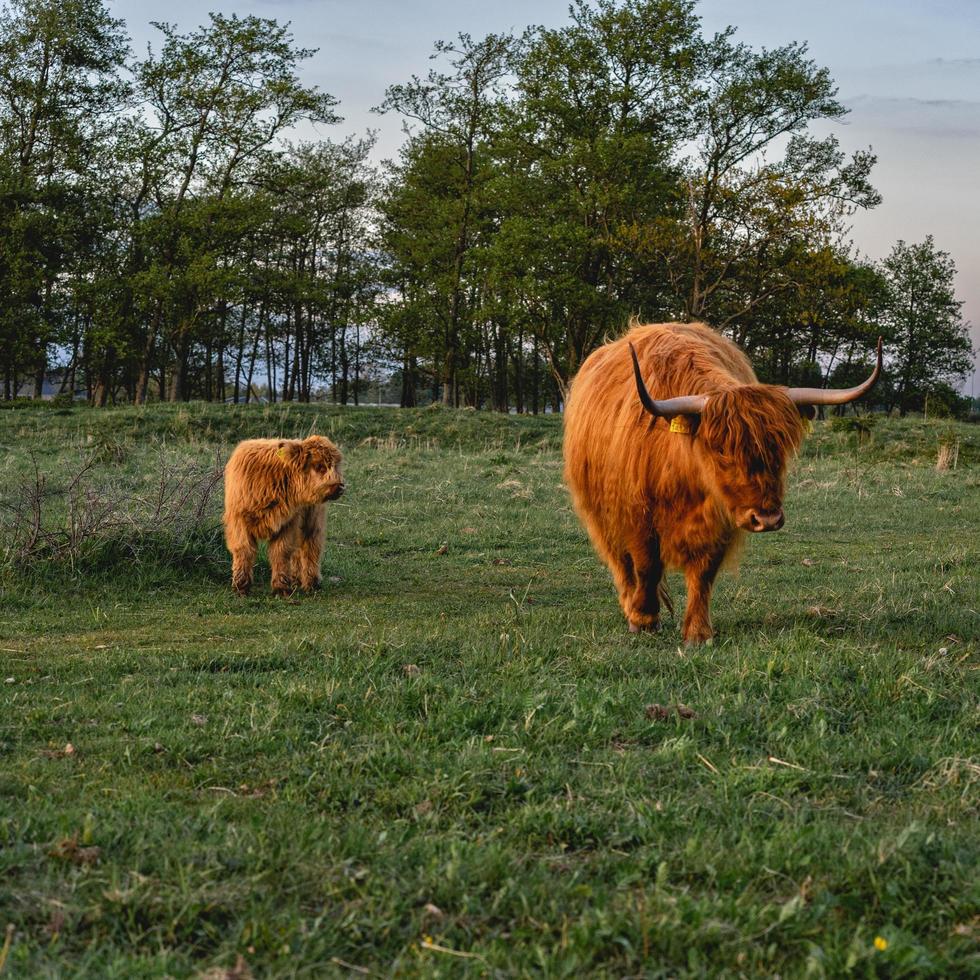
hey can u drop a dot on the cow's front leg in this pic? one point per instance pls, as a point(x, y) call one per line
point(282, 549)
point(700, 576)
point(307, 560)
point(642, 606)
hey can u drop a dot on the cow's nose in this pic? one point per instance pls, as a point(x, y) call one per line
point(767, 520)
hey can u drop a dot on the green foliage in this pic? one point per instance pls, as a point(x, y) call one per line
point(861, 427)
point(451, 749)
point(59, 72)
point(853, 423)
point(162, 239)
point(437, 205)
point(630, 169)
point(929, 339)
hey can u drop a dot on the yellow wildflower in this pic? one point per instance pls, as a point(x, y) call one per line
point(881, 944)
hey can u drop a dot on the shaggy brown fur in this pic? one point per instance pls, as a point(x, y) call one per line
point(275, 489)
point(653, 499)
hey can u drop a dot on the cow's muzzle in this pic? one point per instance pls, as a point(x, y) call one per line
point(335, 491)
point(765, 520)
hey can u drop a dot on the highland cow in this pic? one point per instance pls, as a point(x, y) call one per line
point(654, 495)
point(275, 490)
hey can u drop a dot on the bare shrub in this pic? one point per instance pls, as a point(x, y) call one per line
point(393, 442)
point(181, 496)
point(88, 518)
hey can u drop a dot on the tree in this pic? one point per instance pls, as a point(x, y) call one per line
point(927, 335)
point(325, 271)
point(60, 94)
point(163, 239)
point(214, 102)
point(441, 182)
point(587, 160)
point(826, 322)
point(746, 218)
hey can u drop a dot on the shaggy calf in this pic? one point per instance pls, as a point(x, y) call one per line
point(275, 489)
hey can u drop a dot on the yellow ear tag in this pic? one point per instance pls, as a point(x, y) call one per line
point(807, 425)
point(282, 453)
point(679, 423)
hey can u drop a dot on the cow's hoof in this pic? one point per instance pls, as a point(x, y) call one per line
point(651, 628)
point(699, 641)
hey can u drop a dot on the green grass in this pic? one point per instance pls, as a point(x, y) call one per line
point(442, 765)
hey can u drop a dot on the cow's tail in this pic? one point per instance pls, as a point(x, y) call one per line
point(664, 595)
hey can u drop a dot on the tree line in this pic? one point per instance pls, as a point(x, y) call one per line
point(164, 235)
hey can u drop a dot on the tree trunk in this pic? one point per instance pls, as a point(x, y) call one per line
point(240, 356)
point(535, 388)
point(407, 399)
point(178, 381)
point(270, 374)
point(255, 351)
point(103, 384)
point(357, 362)
point(40, 372)
point(144, 372)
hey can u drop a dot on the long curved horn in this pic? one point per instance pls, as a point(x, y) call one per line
point(666, 407)
point(835, 396)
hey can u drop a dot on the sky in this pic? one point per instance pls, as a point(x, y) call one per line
point(908, 71)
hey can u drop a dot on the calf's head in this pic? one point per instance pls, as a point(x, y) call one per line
point(745, 436)
point(314, 465)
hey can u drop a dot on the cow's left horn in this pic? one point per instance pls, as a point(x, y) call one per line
point(835, 396)
point(666, 407)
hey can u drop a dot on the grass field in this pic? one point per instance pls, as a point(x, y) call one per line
point(451, 762)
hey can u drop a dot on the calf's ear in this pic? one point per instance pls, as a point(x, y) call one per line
point(306, 456)
point(291, 452)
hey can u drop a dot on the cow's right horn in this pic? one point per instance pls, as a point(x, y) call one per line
point(835, 396)
point(666, 407)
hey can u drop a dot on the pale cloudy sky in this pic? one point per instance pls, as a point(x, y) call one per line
point(908, 70)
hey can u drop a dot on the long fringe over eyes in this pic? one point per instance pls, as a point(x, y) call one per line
point(756, 425)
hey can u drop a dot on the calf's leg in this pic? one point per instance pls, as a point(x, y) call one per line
point(282, 549)
point(241, 544)
point(307, 560)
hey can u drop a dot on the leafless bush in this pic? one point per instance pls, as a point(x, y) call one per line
point(391, 442)
point(181, 497)
point(85, 516)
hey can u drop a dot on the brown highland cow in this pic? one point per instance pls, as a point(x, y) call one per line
point(275, 489)
point(673, 479)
